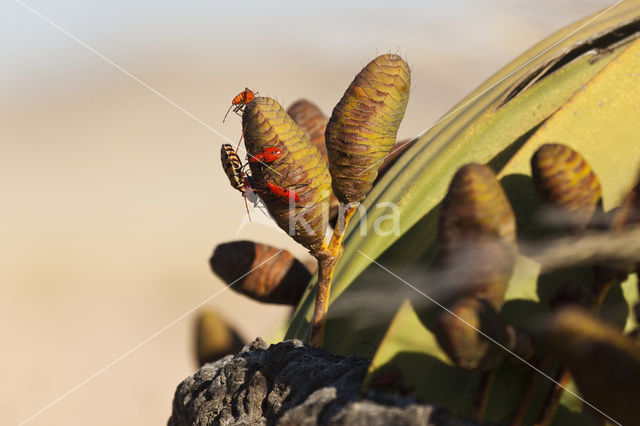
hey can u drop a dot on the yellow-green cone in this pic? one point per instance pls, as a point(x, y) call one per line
point(565, 181)
point(459, 337)
point(215, 338)
point(477, 235)
point(300, 168)
point(363, 126)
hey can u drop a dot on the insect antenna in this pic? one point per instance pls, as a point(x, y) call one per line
point(225, 116)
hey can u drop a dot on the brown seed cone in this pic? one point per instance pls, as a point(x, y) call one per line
point(308, 116)
point(604, 362)
point(477, 234)
point(459, 338)
point(261, 272)
point(475, 207)
point(314, 123)
point(481, 269)
point(300, 168)
point(363, 126)
point(565, 181)
point(215, 338)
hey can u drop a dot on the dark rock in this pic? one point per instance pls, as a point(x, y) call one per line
point(292, 384)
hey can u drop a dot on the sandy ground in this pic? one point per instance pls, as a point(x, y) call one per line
point(113, 199)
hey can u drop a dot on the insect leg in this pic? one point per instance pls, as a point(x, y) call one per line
point(241, 136)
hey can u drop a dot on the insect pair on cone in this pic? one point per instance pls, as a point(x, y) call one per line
point(243, 182)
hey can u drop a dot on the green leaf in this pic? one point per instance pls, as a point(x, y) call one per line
point(485, 129)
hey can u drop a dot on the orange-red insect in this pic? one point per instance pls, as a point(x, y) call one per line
point(240, 101)
point(284, 193)
point(268, 155)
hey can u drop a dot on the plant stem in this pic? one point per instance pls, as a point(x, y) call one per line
point(533, 385)
point(482, 395)
point(553, 400)
point(327, 261)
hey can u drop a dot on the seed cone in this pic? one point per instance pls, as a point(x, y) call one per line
point(477, 234)
point(604, 362)
point(313, 122)
point(363, 126)
point(261, 272)
point(465, 346)
point(300, 168)
point(565, 181)
point(215, 338)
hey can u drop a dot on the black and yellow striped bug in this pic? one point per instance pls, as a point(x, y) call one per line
point(233, 168)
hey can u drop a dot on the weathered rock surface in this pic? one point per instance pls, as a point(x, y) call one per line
point(292, 384)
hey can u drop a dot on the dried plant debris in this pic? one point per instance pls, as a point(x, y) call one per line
point(261, 272)
point(296, 186)
point(566, 183)
point(363, 126)
point(215, 338)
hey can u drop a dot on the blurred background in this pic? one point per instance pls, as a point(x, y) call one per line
point(112, 198)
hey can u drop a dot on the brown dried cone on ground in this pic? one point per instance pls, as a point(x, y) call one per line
point(299, 170)
point(477, 235)
point(363, 126)
point(565, 182)
point(215, 338)
point(261, 272)
point(604, 362)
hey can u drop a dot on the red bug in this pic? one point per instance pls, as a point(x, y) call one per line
point(283, 193)
point(268, 155)
point(240, 101)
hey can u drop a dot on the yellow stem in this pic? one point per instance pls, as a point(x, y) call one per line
point(553, 399)
point(327, 260)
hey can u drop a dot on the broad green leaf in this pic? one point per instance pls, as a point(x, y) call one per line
point(589, 100)
point(489, 126)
